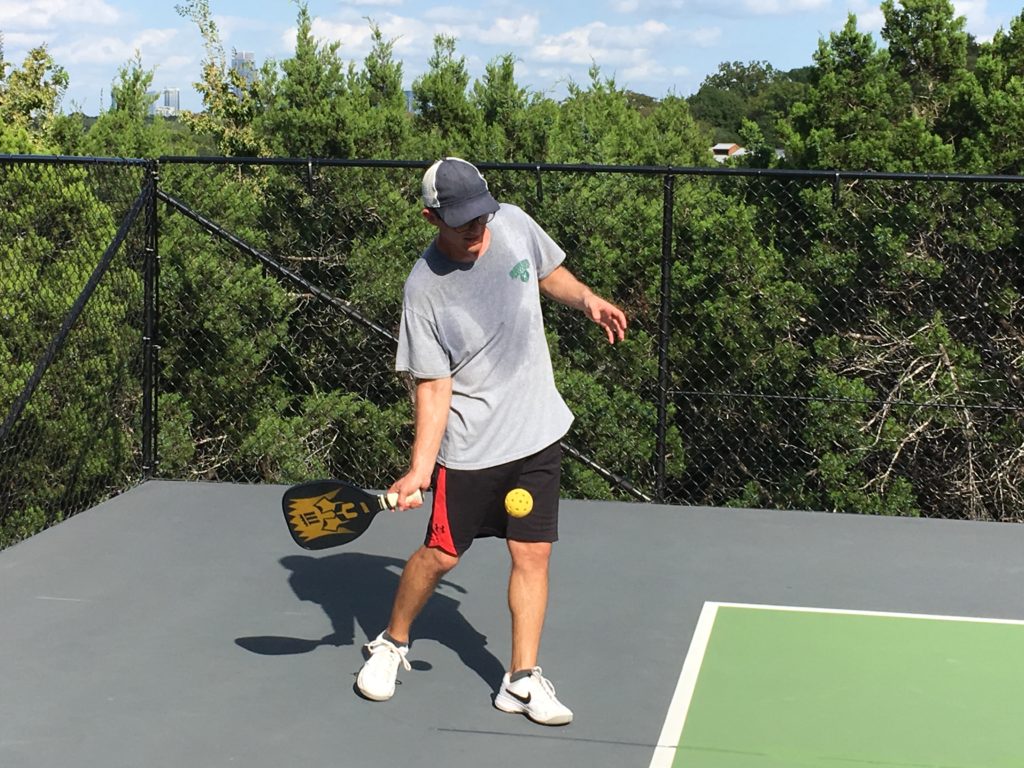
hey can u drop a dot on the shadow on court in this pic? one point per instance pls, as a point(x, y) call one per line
point(356, 589)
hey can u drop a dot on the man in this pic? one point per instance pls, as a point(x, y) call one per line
point(488, 417)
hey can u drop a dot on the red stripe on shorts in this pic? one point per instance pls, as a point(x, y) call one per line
point(440, 531)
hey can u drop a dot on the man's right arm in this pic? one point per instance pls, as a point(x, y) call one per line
point(432, 400)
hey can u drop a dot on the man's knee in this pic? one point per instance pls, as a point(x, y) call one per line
point(436, 561)
point(533, 555)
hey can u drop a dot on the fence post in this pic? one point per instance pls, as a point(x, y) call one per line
point(150, 345)
point(663, 331)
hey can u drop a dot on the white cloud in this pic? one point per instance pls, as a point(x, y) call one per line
point(979, 23)
point(725, 10)
point(352, 36)
point(977, 9)
point(477, 26)
point(503, 31)
point(46, 14)
point(354, 33)
point(704, 37)
point(20, 41)
point(602, 43)
point(452, 14)
point(782, 7)
point(229, 26)
point(869, 20)
point(645, 70)
point(176, 64)
point(151, 44)
point(414, 37)
point(409, 35)
point(653, 7)
point(97, 50)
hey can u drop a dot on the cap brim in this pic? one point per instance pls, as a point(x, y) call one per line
point(464, 212)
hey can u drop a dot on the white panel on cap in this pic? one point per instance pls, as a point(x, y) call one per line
point(430, 186)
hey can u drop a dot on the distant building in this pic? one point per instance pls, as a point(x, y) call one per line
point(167, 103)
point(244, 64)
point(171, 105)
point(725, 150)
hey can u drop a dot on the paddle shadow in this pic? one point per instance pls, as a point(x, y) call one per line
point(353, 589)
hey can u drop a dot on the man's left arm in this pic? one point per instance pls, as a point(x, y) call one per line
point(562, 286)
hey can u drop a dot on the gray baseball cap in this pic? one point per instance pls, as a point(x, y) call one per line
point(456, 191)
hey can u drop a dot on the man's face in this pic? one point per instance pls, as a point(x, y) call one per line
point(465, 243)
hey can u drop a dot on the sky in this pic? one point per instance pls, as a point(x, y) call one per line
point(656, 47)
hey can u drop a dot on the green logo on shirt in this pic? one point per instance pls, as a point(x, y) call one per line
point(521, 271)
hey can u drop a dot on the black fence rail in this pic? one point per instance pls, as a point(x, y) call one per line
point(833, 341)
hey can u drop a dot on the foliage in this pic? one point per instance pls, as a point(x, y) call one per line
point(754, 92)
point(30, 95)
point(126, 129)
point(72, 441)
point(444, 116)
point(233, 105)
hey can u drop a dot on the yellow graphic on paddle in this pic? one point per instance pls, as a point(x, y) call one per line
point(321, 515)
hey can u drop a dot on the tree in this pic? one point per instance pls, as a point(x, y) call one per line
point(126, 128)
point(993, 141)
point(445, 118)
point(858, 113)
point(381, 121)
point(501, 103)
point(722, 111)
point(755, 91)
point(233, 105)
point(308, 114)
point(891, 262)
point(68, 447)
point(928, 49)
point(30, 95)
point(746, 80)
point(498, 96)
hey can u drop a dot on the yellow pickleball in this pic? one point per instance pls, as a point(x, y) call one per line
point(518, 502)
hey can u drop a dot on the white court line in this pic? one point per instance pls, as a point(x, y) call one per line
point(675, 719)
point(672, 730)
point(884, 614)
point(63, 599)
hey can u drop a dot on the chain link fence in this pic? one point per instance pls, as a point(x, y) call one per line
point(833, 341)
point(73, 240)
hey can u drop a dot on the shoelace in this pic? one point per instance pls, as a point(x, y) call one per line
point(380, 643)
point(537, 672)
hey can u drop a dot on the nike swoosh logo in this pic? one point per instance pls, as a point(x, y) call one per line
point(524, 699)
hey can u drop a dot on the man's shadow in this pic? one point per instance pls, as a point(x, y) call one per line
point(356, 588)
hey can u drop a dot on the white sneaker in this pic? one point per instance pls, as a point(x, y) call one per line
point(533, 696)
point(376, 679)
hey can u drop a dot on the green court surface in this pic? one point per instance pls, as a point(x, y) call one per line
point(770, 687)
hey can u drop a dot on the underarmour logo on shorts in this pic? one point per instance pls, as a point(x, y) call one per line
point(521, 271)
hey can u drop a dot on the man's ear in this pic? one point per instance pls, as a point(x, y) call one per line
point(431, 217)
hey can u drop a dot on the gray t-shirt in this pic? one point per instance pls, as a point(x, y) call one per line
point(481, 324)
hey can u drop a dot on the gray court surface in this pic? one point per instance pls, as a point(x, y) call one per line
point(178, 625)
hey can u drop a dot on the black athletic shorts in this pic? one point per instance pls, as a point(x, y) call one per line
point(470, 503)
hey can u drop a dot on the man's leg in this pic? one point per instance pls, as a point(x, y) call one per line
point(527, 600)
point(419, 579)
point(524, 690)
point(376, 680)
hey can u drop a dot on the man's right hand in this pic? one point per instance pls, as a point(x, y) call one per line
point(406, 486)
